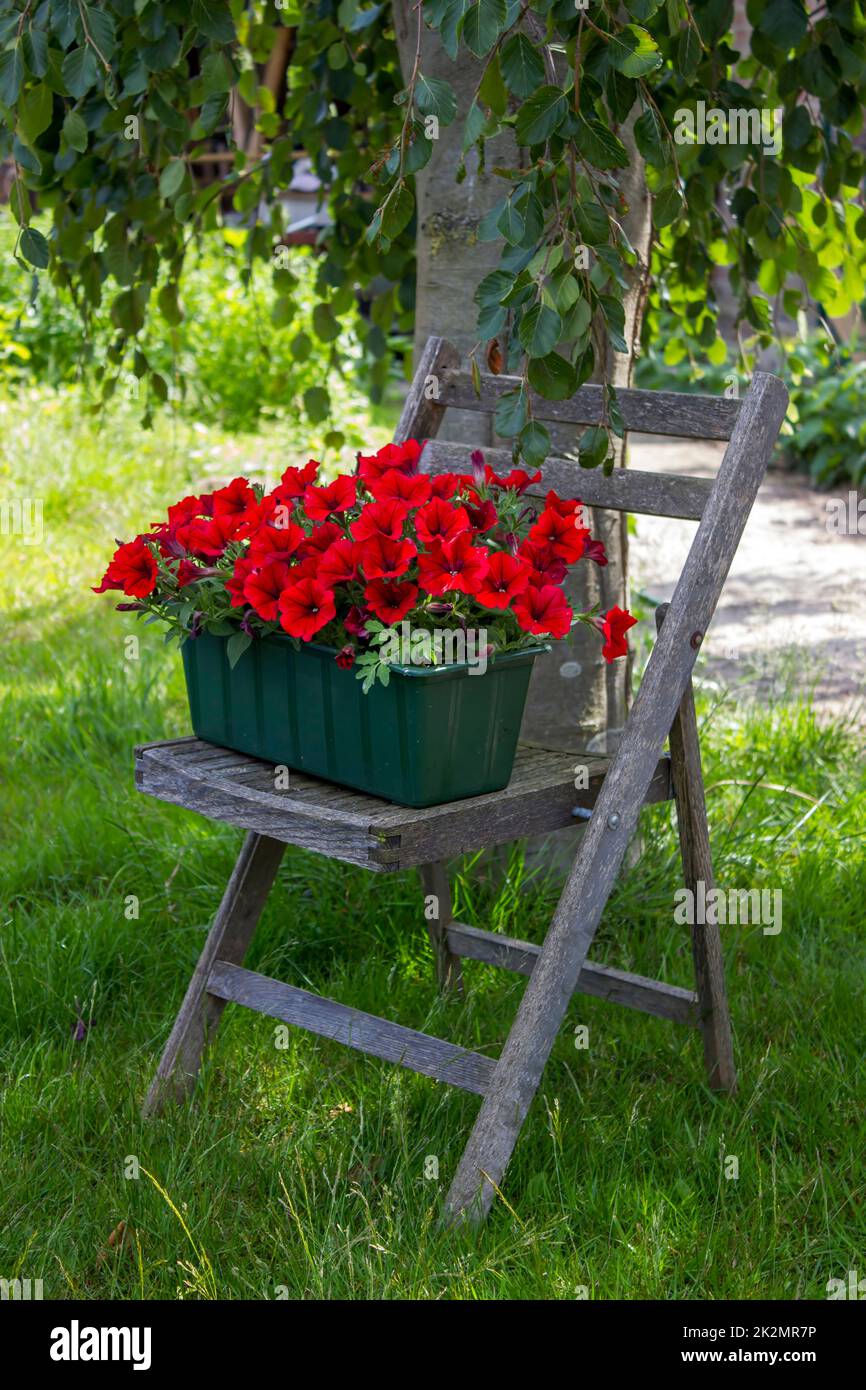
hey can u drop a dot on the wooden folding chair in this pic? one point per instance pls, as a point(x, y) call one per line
point(540, 797)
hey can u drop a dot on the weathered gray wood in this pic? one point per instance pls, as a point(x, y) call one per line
point(678, 413)
point(376, 1036)
point(626, 490)
point(601, 981)
point(229, 937)
point(697, 860)
point(359, 829)
point(437, 919)
point(424, 407)
point(614, 819)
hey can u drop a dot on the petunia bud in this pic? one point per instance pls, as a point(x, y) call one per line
point(476, 458)
point(440, 610)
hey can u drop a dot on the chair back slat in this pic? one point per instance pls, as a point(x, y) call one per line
point(626, 490)
point(681, 414)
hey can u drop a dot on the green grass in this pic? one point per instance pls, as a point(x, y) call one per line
point(304, 1169)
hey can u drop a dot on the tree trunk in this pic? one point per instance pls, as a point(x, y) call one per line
point(575, 700)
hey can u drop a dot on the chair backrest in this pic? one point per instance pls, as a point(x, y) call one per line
point(439, 383)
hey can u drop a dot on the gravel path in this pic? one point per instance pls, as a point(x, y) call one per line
point(793, 611)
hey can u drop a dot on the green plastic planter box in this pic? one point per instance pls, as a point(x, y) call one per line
point(431, 735)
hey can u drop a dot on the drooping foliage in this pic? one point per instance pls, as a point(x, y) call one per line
point(748, 149)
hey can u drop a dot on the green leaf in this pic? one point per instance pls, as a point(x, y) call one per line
point(511, 224)
point(540, 115)
point(552, 377)
point(600, 146)
point(539, 331)
point(216, 74)
point(169, 306)
point(784, 23)
point(397, 211)
point(492, 91)
point(236, 646)
point(482, 25)
point(171, 179)
point(127, 311)
point(101, 26)
point(650, 138)
point(35, 42)
point(75, 131)
point(534, 443)
point(634, 52)
point(164, 53)
point(592, 448)
point(317, 404)
point(325, 324)
point(510, 416)
point(79, 71)
point(592, 223)
point(474, 127)
point(34, 112)
point(667, 206)
point(435, 97)
point(689, 53)
point(642, 9)
point(34, 248)
point(522, 66)
point(11, 75)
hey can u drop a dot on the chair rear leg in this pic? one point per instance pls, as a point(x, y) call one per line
point(437, 915)
point(698, 868)
point(229, 937)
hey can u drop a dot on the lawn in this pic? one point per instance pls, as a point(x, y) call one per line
point(304, 1172)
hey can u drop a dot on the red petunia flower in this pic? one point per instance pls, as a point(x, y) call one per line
point(295, 481)
point(507, 577)
point(243, 568)
point(401, 456)
point(354, 621)
point(382, 558)
point(237, 500)
point(615, 624)
point(187, 573)
point(305, 608)
point(319, 539)
point(390, 602)
point(413, 488)
point(271, 543)
point(440, 521)
point(384, 518)
point(338, 496)
point(543, 611)
point(307, 568)
point(560, 532)
point(183, 512)
point(565, 506)
point(133, 570)
point(263, 588)
point(445, 485)
point(518, 479)
point(456, 564)
point(345, 657)
point(594, 550)
point(210, 536)
point(483, 517)
point(547, 566)
point(338, 565)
